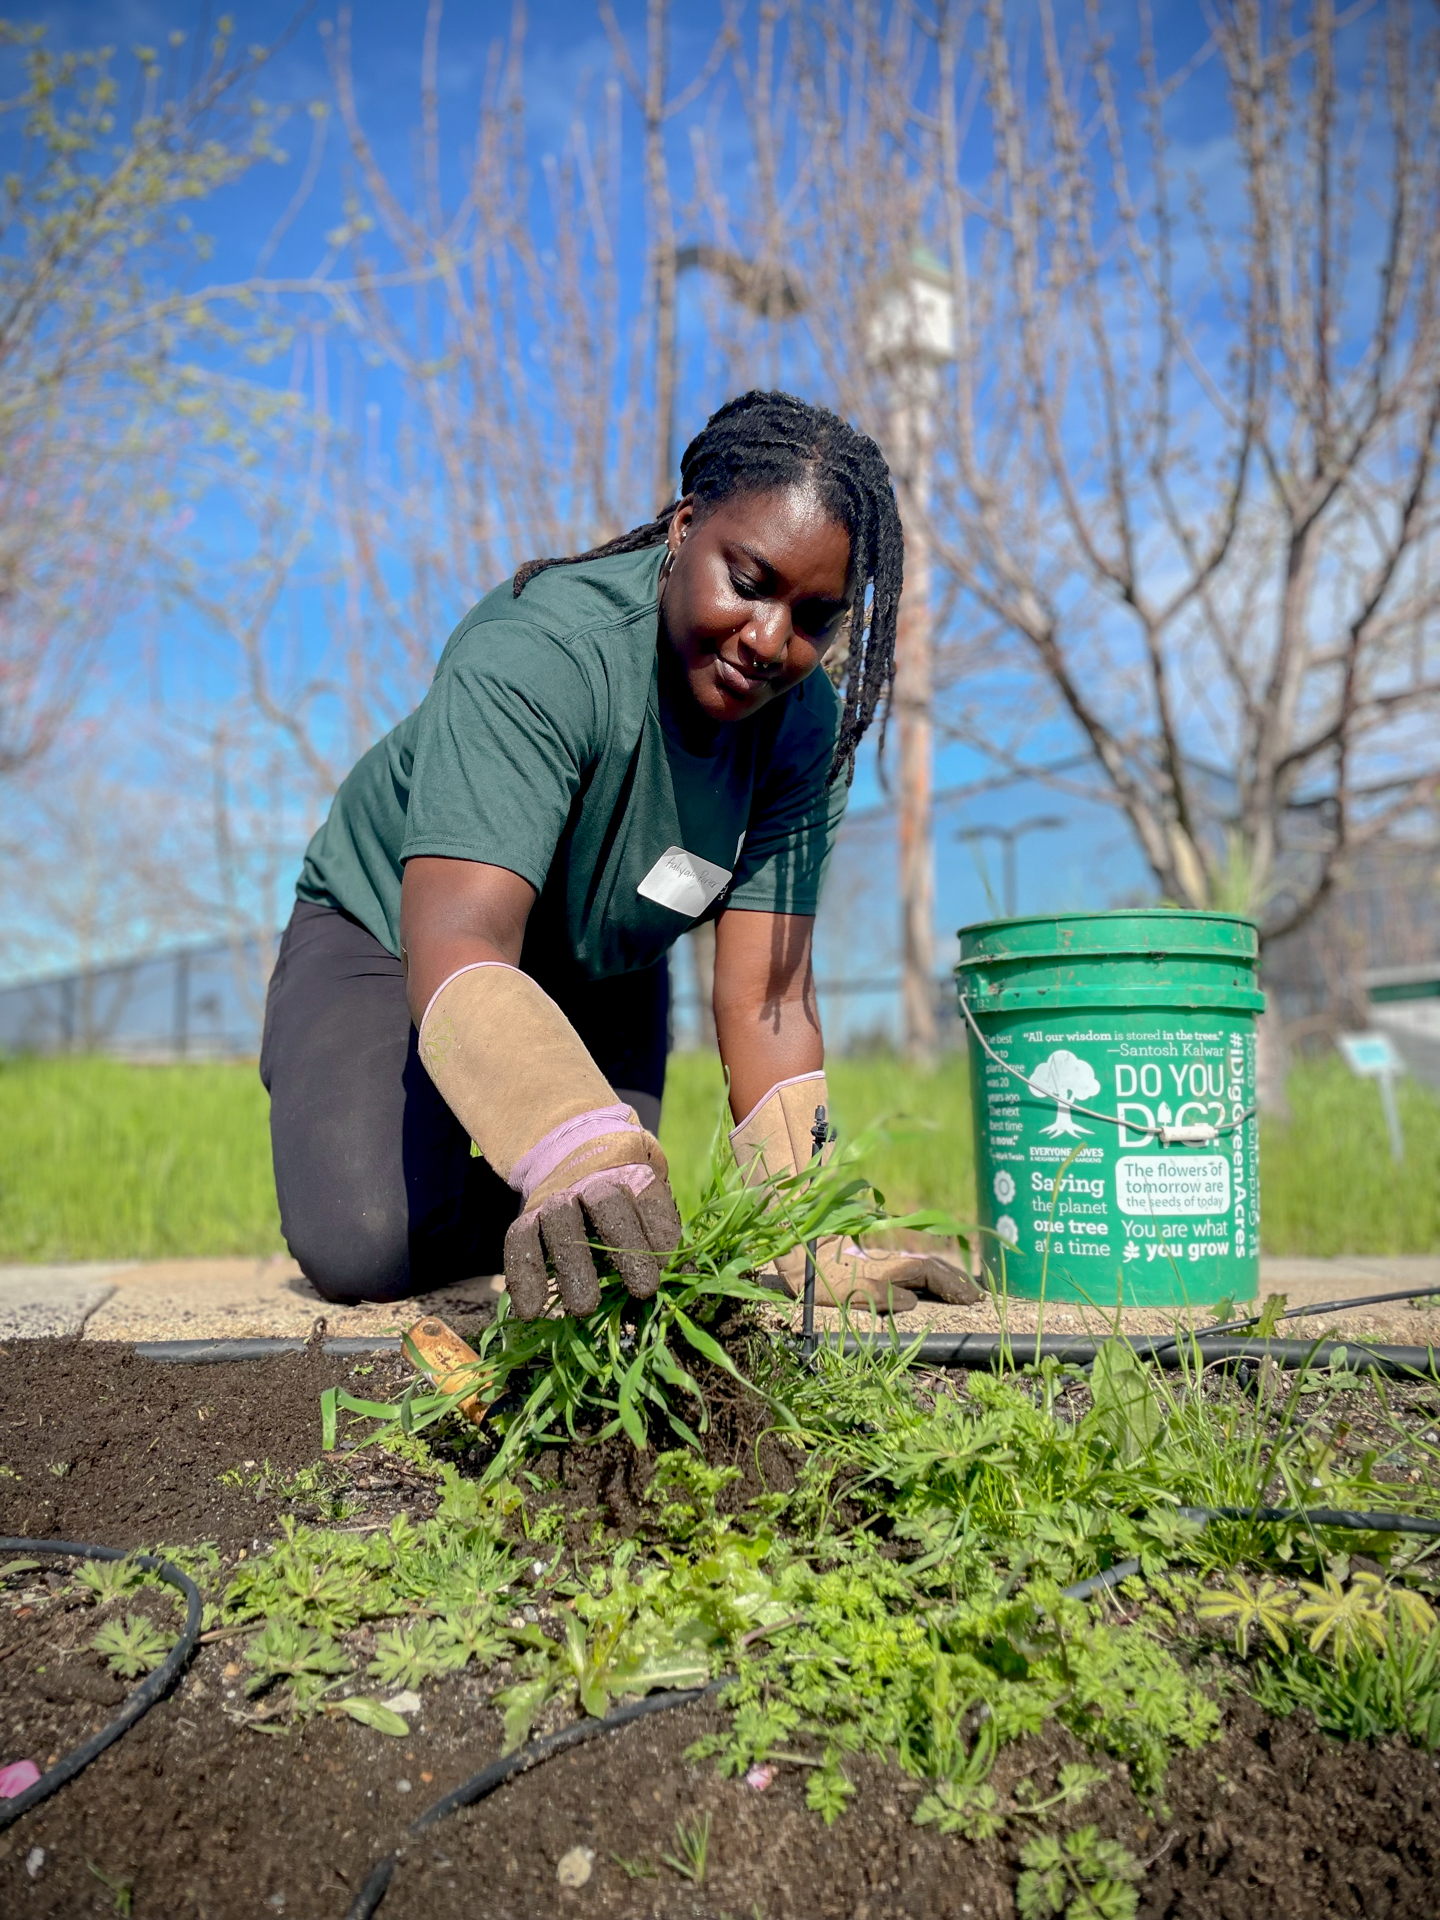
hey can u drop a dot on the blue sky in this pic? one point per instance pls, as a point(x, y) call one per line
point(1092, 862)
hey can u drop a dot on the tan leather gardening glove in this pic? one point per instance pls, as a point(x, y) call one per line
point(775, 1139)
point(516, 1074)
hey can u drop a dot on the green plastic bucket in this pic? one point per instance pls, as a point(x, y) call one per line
point(1112, 1069)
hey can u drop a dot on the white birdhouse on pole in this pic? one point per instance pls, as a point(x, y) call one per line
point(910, 338)
point(913, 322)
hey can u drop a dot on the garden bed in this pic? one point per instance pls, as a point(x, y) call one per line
point(208, 1808)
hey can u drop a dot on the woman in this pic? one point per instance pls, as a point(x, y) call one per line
point(613, 747)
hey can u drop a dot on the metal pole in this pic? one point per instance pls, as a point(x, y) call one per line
point(1009, 838)
point(1391, 1108)
point(821, 1134)
point(180, 1031)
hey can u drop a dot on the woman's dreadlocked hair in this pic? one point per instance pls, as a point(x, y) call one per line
point(763, 441)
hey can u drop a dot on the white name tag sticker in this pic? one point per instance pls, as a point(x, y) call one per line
point(683, 882)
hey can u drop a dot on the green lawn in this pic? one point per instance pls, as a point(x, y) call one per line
point(104, 1161)
point(99, 1161)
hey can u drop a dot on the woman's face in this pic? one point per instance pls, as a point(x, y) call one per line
point(757, 589)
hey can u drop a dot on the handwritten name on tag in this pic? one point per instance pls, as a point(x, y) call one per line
point(683, 882)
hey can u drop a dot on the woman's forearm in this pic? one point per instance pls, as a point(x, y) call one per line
point(454, 913)
point(766, 1018)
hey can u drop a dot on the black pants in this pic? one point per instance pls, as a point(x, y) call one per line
point(380, 1196)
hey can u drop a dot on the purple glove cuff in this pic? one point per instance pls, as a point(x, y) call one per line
point(557, 1145)
point(635, 1178)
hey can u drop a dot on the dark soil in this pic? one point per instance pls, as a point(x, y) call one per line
point(197, 1816)
point(124, 1452)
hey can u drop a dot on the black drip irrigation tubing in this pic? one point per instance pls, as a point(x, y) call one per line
point(1263, 1516)
point(145, 1695)
point(972, 1350)
point(214, 1353)
point(990, 1350)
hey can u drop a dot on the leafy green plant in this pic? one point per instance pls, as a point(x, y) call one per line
point(686, 1493)
point(630, 1648)
point(1264, 1606)
point(108, 1579)
point(1357, 1685)
point(132, 1646)
point(1127, 1411)
point(967, 1803)
point(829, 1789)
point(470, 1631)
point(407, 1656)
point(1079, 1876)
point(334, 1581)
point(310, 1662)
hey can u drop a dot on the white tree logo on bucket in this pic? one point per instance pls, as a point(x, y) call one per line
point(1063, 1078)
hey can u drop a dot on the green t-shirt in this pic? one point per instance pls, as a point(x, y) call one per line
point(545, 745)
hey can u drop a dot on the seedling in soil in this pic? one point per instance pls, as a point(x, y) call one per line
point(310, 1661)
point(1082, 1877)
point(120, 1886)
point(408, 1656)
point(640, 1868)
point(108, 1579)
point(306, 1487)
point(692, 1839)
point(1265, 1606)
point(133, 1645)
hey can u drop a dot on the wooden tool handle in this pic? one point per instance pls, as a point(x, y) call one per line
point(439, 1351)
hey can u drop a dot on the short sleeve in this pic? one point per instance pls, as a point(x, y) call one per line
point(797, 809)
point(503, 739)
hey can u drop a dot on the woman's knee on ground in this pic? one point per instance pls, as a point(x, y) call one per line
point(366, 1259)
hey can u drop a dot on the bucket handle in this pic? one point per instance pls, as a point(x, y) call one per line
point(1194, 1136)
